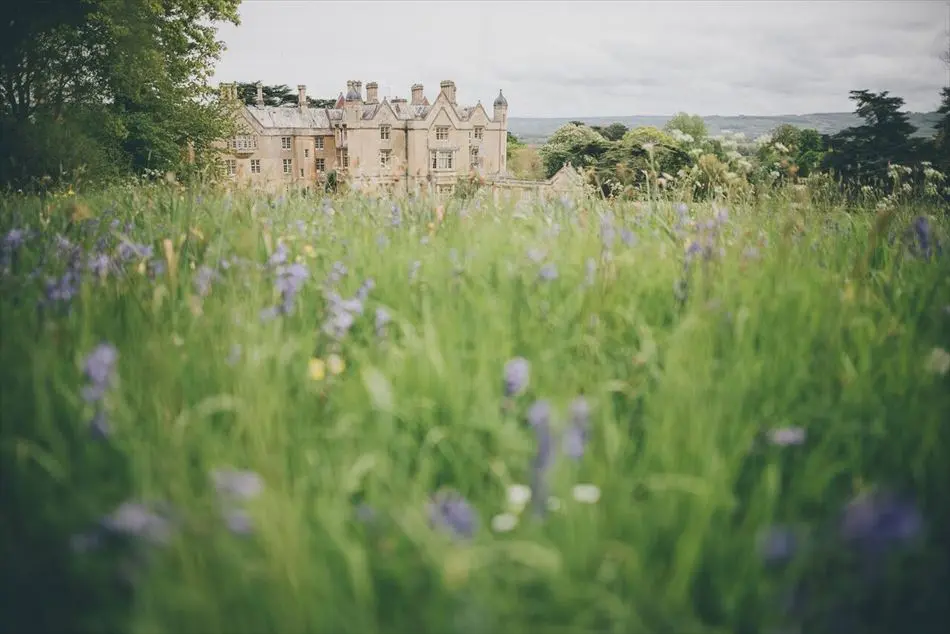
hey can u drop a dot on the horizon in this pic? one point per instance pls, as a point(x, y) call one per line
point(793, 57)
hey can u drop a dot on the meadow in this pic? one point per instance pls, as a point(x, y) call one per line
point(229, 412)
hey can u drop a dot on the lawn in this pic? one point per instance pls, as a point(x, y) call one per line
point(224, 412)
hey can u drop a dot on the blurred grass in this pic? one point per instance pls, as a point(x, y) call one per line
point(804, 335)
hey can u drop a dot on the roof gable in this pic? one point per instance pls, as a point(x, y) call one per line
point(385, 113)
point(440, 106)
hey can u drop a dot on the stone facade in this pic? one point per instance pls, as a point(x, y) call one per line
point(393, 145)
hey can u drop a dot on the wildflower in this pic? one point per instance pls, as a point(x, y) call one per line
point(536, 255)
point(234, 354)
point(516, 376)
point(539, 417)
point(777, 544)
point(586, 493)
point(575, 438)
point(787, 436)
point(382, 320)
point(875, 520)
point(203, 280)
point(132, 519)
point(448, 510)
point(518, 496)
point(414, 270)
point(99, 368)
point(939, 361)
point(235, 485)
point(548, 272)
point(238, 521)
point(317, 369)
point(628, 237)
point(335, 364)
point(504, 522)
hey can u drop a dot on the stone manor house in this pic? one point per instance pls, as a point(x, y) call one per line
point(391, 145)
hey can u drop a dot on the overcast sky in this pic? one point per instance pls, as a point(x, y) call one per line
point(586, 59)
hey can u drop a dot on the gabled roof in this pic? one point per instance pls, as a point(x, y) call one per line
point(270, 117)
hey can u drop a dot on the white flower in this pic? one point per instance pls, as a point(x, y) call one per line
point(504, 522)
point(518, 496)
point(586, 493)
point(939, 361)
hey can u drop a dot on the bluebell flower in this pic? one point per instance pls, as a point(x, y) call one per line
point(382, 320)
point(539, 417)
point(575, 437)
point(516, 376)
point(133, 519)
point(777, 544)
point(99, 368)
point(874, 521)
point(237, 485)
point(548, 272)
point(449, 511)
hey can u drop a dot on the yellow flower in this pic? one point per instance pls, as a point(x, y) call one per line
point(336, 364)
point(197, 233)
point(317, 369)
point(310, 251)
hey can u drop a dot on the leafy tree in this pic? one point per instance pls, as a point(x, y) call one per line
point(577, 144)
point(277, 95)
point(513, 144)
point(861, 154)
point(612, 132)
point(643, 153)
point(693, 125)
point(942, 138)
point(127, 76)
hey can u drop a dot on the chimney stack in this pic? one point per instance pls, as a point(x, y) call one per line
point(358, 85)
point(448, 88)
point(372, 92)
point(260, 95)
point(301, 95)
point(417, 97)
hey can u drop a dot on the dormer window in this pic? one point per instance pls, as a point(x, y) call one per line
point(479, 132)
point(442, 133)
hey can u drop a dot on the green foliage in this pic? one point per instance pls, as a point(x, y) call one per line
point(277, 95)
point(576, 144)
point(513, 144)
point(612, 132)
point(861, 154)
point(139, 66)
point(942, 138)
point(693, 125)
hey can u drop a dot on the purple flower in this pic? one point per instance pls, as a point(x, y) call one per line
point(777, 544)
point(548, 272)
point(238, 521)
point(575, 437)
point(382, 320)
point(539, 417)
point(517, 374)
point(787, 436)
point(203, 280)
point(237, 485)
point(591, 271)
point(100, 364)
point(875, 520)
point(414, 270)
point(448, 510)
point(133, 519)
point(628, 237)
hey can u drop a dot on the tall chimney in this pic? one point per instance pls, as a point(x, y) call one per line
point(358, 85)
point(448, 87)
point(301, 95)
point(372, 92)
point(417, 95)
point(260, 95)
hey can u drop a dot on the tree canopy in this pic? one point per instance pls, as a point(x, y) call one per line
point(110, 85)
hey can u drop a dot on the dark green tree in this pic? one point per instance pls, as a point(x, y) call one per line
point(862, 154)
point(941, 141)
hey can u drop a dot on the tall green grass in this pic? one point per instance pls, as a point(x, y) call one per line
point(830, 327)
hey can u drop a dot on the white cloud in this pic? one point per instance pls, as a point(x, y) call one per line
point(584, 58)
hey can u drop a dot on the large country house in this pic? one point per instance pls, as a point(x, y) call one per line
point(393, 145)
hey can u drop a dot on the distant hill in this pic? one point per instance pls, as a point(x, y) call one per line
point(537, 130)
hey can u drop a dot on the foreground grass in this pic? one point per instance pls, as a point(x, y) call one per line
point(809, 322)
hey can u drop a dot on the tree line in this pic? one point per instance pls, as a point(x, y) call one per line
point(623, 162)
